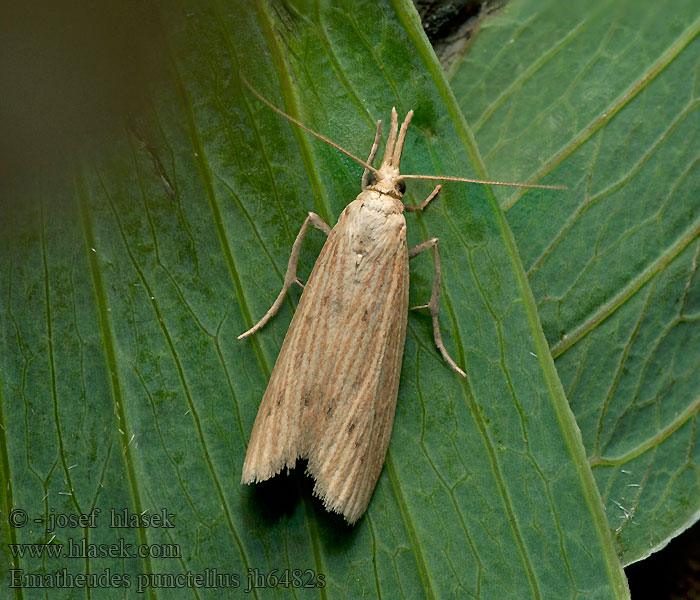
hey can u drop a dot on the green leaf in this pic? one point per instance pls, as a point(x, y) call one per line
point(126, 280)
point(603, 97)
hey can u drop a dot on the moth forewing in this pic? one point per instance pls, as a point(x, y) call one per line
point(332, 393)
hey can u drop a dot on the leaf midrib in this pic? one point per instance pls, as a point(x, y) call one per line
point(563, 412)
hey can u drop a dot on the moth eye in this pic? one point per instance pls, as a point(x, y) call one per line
point(372, 179)
point(401, 186)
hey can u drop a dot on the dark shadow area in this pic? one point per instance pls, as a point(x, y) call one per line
point(442, 18)
point(268, 502)
point(670, 574)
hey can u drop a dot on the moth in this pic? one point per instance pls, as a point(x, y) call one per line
point(332, 394)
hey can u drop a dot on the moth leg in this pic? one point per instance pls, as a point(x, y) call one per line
point(422, 205)
point(373, 152)
point(434, 304)
point(290, 276)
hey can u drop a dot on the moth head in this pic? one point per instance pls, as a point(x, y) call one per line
point(387, 181)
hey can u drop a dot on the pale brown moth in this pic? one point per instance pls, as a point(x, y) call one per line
point(332, 394)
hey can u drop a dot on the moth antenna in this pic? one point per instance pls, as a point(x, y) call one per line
point(402, 137)
point(394, 147)
point(467, 180)
point(304, 127)
point(389, 150)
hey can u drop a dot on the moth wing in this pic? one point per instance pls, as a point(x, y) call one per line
point(332, 394)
